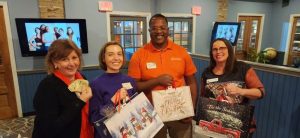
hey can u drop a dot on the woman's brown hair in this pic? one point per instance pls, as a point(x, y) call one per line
point(59, 49)
point(101, 56)
point(231, 60)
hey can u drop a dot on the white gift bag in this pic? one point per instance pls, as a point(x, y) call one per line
point(173, 103)
point(137, 119)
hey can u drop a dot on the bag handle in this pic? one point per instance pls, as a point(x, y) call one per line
point(170, 87)
point(117, 100)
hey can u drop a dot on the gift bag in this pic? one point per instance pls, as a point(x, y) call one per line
point(217, 119)
point(137, 119)
point(173, 103)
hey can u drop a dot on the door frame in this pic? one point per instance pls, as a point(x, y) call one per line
point(261, 26)
point(12, 57)
point(287, 45)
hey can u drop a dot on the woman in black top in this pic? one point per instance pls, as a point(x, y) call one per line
point(58, 110)
point(229, 80)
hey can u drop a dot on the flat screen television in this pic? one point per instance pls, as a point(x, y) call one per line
point(227, 30)
point(36, 35)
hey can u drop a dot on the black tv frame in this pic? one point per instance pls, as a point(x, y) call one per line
point(215, 29)
point(23, 39)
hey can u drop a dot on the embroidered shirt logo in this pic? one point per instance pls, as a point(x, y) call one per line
point(175, 59)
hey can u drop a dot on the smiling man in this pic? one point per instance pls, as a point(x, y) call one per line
point(162, 63)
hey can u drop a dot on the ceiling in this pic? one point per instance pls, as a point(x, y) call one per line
point(263, 1)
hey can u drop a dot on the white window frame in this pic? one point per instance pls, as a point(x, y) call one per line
point(133, 14)
point(193, 21)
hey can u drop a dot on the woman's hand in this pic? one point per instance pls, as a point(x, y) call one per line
point(121, 95)
point(85, 94)
point(232, 89)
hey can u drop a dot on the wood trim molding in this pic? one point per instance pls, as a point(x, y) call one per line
point(263, 67)
point(12, 57)
point(222, 10)
point(52, 8)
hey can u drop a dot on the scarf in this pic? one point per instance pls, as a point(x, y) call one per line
point(87, 130)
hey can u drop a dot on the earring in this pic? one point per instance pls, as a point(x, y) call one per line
point(55, 67)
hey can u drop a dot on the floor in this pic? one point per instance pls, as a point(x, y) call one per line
point(22, 128)
point(17, 127)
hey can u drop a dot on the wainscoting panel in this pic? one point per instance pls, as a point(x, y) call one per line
point(28, 83)
point(277, 114)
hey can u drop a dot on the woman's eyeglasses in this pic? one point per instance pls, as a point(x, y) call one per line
point(221, 49)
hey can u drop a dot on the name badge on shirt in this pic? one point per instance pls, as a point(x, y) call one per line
point(151, 65)
point(212, 80)
point(127, 85)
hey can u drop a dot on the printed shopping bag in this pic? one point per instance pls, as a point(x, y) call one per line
point(173, 103)
point(222, 119)
point(137, 119)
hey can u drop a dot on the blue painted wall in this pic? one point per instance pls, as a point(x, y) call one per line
point(235, 7)
point(96, 21)
point(274, 33)
point(204, 22)
point(281, 16)
point(96, 25)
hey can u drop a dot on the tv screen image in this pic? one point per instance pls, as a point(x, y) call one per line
point(227, 30)
point(36, 35)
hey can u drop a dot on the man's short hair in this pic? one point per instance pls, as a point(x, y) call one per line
point(158, 15)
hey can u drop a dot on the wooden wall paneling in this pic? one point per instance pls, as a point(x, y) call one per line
point(51, 8)
point(277, 114)
point(28, 86)
point(294, 107)
point(291, 107)
point(276, 104)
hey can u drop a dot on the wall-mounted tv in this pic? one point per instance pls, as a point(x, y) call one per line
point(227, 30)
point(36, 35)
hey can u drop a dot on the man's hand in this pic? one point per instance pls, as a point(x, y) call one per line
point(165, 80)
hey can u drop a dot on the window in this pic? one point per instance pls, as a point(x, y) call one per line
point(129, 31)
point(180, 29)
